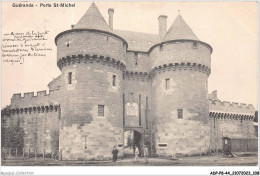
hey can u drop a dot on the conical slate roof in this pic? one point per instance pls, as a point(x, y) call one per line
point(179, 30)
point(93, 19)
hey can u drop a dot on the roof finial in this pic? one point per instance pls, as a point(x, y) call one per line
point(179, 12)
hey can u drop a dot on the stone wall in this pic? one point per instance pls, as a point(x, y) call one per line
point(232, 128)
point(93, 140)
point(93, 59)
point(91, 85)
point(40, 125)
point(185, 70)
point(39, 116)
point(140, 62)
point(42, 131)
point(180, 52)
point(187, 91)
point(230, 119)
point(181, 136)
point(90, 42)
point(141, 89)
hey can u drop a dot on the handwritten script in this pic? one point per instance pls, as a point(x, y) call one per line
point(17, 46)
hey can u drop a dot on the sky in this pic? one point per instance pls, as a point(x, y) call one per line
point(229, 27)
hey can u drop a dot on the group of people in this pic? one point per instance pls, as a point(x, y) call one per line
point(146, 153)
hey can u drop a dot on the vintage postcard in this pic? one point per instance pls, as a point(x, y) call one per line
point(129, 84)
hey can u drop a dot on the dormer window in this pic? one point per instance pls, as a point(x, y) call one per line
point(68, 43)
point(136, 57)
point(161, 47)
point(195, 44)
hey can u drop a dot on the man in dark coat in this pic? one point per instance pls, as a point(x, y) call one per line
point(114, 152)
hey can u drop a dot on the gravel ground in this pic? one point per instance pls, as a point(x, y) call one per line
point(210, 160)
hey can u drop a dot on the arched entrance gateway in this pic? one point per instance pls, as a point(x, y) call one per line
point(133, 137)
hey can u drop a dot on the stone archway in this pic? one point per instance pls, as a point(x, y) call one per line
point(133, 138)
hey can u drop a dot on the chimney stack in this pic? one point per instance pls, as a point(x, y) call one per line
point(215, 94)
point(111, 13)
point(72, 26)
point(162, 19)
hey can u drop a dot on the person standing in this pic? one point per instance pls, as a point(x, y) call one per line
point(146, 153)
point(136, 154)
point(114, 152)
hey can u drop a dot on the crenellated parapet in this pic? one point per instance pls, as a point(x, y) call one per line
point(231, 106)
point(216, 105)
point(31, 94)
point(180, 66)
point(30, 110)
point(230, 110)
point(90, 58)
point(139, 76)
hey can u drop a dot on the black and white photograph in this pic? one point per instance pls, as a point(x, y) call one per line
point(148, 85)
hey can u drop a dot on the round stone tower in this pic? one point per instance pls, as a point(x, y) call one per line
point(91, 59)
point(180, 70)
